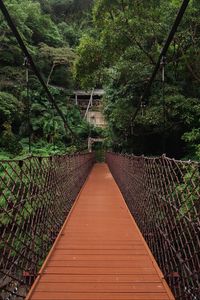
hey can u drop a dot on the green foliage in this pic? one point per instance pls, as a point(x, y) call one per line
point(9, 141)
point(57, 56)
point(192, 138)
point(119, 45)
point(186, 193)
point(10, 114)
point(47, 28)
point(71, 32)
point(88, 62)
point(10, 108)
point(120, 53)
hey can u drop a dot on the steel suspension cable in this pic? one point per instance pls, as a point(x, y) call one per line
point(33, 66)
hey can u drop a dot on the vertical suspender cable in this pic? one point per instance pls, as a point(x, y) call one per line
point(26, 63)
point(163, 64)
point(54, 128)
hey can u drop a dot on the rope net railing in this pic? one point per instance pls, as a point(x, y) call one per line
point(36, 195)
point(163, 195)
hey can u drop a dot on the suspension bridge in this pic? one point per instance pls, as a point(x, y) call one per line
point(140, 243)
point(71, 228)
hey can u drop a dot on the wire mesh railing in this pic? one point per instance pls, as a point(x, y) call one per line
point(36, 195)
point(163, 195)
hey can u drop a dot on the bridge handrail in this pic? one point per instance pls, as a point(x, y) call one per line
point(163, 195)
point(27, 157)
point(189, 161)
point(36, 194)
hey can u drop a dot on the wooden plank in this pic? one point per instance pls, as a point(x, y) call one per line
point(98, 271)
point(99, 296)
point(99, 278)
point(134, 244)
point(104, 264)
point(79, 257)
point(98, 247)
point(92, 241)
point(101, 287)
point(101, 252)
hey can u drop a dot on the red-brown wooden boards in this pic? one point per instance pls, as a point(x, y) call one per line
point(100, 253)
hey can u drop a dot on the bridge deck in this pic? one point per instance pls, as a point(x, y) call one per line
point(100, 253)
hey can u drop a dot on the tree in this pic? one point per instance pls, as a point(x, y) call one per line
point(57, 57)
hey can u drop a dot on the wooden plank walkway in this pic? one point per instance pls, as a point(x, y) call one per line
point(100, 253)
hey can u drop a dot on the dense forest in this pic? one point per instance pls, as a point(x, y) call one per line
point(113, 45)
point(51, 30)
